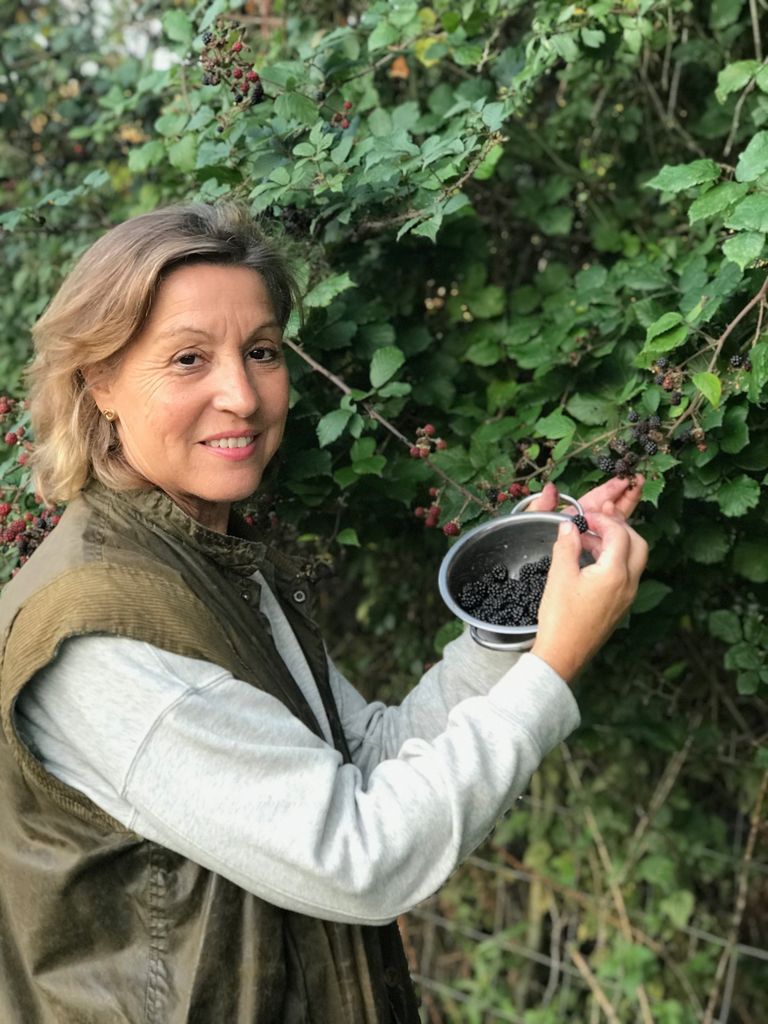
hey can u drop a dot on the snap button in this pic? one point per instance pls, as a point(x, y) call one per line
point(245, 595)
point(299, 596)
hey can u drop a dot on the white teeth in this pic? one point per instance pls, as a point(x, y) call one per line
point(231, 442)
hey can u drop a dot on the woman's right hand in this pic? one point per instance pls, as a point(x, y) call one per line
point(580, 608)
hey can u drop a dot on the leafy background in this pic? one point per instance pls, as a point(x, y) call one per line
point(506, 216)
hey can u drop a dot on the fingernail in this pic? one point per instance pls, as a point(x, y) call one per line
point(565, 528)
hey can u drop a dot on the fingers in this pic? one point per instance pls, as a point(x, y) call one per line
point(546, 501)
point(622, 548)
point(565, 552)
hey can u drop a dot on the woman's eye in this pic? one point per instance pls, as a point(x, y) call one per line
point(262, 354)
point(187, 358)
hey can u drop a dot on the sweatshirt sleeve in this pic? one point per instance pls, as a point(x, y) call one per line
point(222, 773)
point(376, 731)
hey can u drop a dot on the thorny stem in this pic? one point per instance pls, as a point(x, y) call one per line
point(376, 415)
point(758, 299)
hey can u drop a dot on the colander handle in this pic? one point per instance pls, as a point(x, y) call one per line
point(565, 499)
point(523, 645)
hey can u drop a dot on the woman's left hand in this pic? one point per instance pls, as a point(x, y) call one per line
point(623, 499)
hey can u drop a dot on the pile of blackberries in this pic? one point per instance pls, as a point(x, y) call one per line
point(502, 600)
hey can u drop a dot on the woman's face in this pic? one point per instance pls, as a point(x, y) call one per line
point(201, 395)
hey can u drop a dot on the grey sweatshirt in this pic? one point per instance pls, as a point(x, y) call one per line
point(186, 755)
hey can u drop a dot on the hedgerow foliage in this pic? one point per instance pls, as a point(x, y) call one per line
point(538, 229)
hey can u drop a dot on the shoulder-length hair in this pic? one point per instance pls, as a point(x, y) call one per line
point(101, 307)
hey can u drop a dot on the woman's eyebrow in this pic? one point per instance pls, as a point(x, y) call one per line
point(172, 332)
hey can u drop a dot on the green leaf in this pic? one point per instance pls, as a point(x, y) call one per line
point(716, 200)
point(750, 560)
point(725, 625)
point(707, 543)
point(744, 248)
point(348, 537)
point(734, 77)
point(676, 178)
point(751, 214)
point(710, 385)
point(565, 47)
point(295, 106)
point(649, 594)
point(735, 433)
point(178, 27)
point(662, 325)
point(183, 154)
point(678, 907)
point(324, 292)
point(754, 160)
point(385, 363)
point(738, 496)
point(148, 155)
point(592, 37)
point(332, 425)
point(555, 426)
point(383, 35)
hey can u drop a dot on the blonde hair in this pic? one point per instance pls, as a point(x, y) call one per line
point(97, 312)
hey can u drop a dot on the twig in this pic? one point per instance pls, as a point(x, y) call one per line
point(758, 298)
point(737, 116)
point(674, 87)
point(376, 415)
point(615, 890)
point(583, 968)
point(755, 17)
point(742, 887)
point(669, 120)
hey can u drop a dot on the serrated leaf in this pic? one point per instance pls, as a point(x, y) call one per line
point(754, 160)
point(751, 214)
point(332, 425)
point(295, 106)
point(649, 594)
point(716, 200)
point(733, 77)
point(178, 27)
point(744, 248)
point(676, 178)
point(707, 543)
point(385, 363)
point(142, 157)
point(725, 625)
point(324, 292)
point(555, 426)
point(662, 325)
point(738, 496)
point(734, 434)
point(183, 154)
point(710, 385)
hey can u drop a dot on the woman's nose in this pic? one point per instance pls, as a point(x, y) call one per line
point(235, 391)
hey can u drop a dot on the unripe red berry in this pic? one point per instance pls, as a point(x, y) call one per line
point(55, 520)
point(440, 444)
point(237, 47)
point(419, 511)
point(5, 508)
point(430, 521)
point(249, 520)
point(347, 105)
point(345, 122)
point(434, 510)
point(10, 437)
point(28, 517)
point(23, 458)
point(20, 431)
point(502, 497)
point(415, 451)
point(428, 429)
point(433, 492)
point(237, 73)
point(451, 529)
point(525, 490)
point(252, 76)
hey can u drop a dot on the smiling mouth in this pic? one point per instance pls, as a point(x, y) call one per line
point(231, 442)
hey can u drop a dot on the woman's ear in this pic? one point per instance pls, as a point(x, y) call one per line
point(97, 384)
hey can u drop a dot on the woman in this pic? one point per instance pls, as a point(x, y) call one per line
point(202, 820)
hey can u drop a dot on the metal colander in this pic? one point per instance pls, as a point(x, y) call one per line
point(512, 540)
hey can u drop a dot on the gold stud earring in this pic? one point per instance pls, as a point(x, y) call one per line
point(110, 415)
